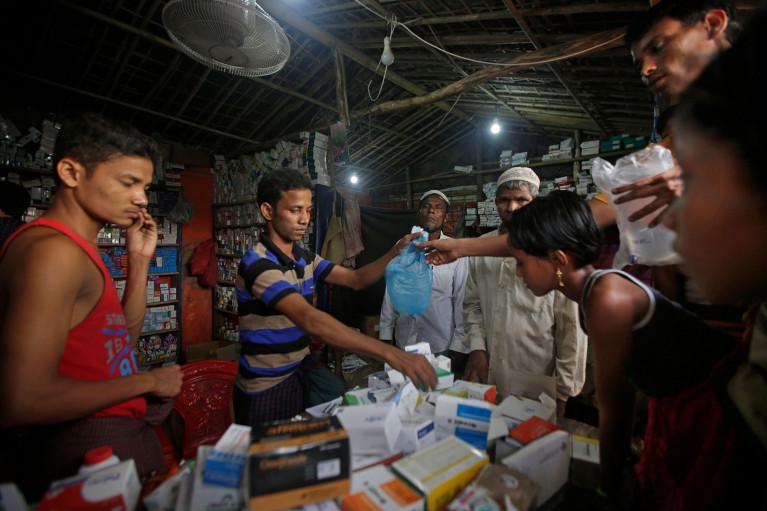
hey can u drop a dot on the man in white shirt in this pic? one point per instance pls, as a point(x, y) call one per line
point(508, 328)
point(442, 323)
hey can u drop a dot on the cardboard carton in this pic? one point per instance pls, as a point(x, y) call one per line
point(296, 463)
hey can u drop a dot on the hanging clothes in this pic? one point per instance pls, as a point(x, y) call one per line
point(352, 227)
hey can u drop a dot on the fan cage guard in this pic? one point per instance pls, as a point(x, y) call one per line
point(233, 36)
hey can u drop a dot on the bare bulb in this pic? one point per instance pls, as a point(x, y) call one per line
point(387, 57)
point(353, 179)
point(495, 128)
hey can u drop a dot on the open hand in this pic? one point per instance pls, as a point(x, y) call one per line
point(405, 241)
point(414, 366)
point(440, 251)
point(477, 367)
point(665, 187)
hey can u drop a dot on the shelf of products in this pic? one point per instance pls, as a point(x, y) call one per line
point(237, 224)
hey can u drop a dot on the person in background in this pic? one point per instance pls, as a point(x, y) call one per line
point(508, 328)
point(671, 44)
point(643, 341)
point(68, 373)
point(275, 288)
point(442, 323)
point(14, 201)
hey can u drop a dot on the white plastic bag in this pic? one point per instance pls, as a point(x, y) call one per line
point(639, 243)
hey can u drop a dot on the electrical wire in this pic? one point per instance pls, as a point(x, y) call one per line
point(392, 23)
point(526, 64)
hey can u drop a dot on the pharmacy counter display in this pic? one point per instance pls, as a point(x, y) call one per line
point(388, 446)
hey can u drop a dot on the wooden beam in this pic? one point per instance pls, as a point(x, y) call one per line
point(583, 46)
point(553, 66)
point(283, 12)
point(341, 101)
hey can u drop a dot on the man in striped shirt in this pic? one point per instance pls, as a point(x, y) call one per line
point(275, 290)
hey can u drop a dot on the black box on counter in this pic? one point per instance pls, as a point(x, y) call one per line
point(294, 463)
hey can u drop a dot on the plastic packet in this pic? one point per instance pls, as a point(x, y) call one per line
point(408, 279)
point(639, 243)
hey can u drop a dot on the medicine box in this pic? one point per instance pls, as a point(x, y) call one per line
point(442, 470)
point(292, 464)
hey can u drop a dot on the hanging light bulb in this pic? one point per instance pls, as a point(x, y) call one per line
point(353, 179)
point(387, 57)
point(495, 128)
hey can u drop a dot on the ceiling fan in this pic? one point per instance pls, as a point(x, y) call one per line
point(233, 36)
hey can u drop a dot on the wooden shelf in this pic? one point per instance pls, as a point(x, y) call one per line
point(226, 282)
point(238, 203)
point(167, 302)
point(225, 311)
point(107, 245)
point(26, 170)
point(158, 332)
point(151, 274)
point(257, 224)
point(229, 256)
point(219, 338)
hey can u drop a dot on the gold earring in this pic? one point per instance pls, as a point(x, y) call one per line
point(559, 276)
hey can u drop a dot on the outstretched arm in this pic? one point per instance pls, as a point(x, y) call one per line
point(448, 250)
point(371, 273)
point(325, 328)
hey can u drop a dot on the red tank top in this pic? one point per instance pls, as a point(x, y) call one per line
point(99, 347)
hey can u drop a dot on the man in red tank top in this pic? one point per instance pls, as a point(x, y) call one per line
point(68, 378)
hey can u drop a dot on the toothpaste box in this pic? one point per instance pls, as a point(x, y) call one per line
point(114, 488)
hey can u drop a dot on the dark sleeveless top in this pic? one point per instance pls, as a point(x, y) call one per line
point(672, 349)
point(697, 453)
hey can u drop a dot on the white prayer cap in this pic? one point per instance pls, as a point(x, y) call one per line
point(435, 192)
point(519, 174)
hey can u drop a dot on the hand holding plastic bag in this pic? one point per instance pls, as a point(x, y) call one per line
point(408, 279)
point(639, 243)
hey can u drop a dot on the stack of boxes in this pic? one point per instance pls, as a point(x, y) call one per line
point(161, 317)
point(511, 159)
point(518, 159)
point(160, 289)
point(621, 141)
point(487, 210)
point(156, 348)
point(316, 156)
point(589, 147)
point(505, 159)
point(236, 180)
point(561, 151)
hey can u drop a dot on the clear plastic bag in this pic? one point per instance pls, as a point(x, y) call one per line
point(408, 280)
point(639, 243)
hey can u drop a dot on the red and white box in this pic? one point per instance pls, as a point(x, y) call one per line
point(114, 488)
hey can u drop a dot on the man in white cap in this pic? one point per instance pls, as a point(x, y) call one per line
point(510, 330)
point(442, 323)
